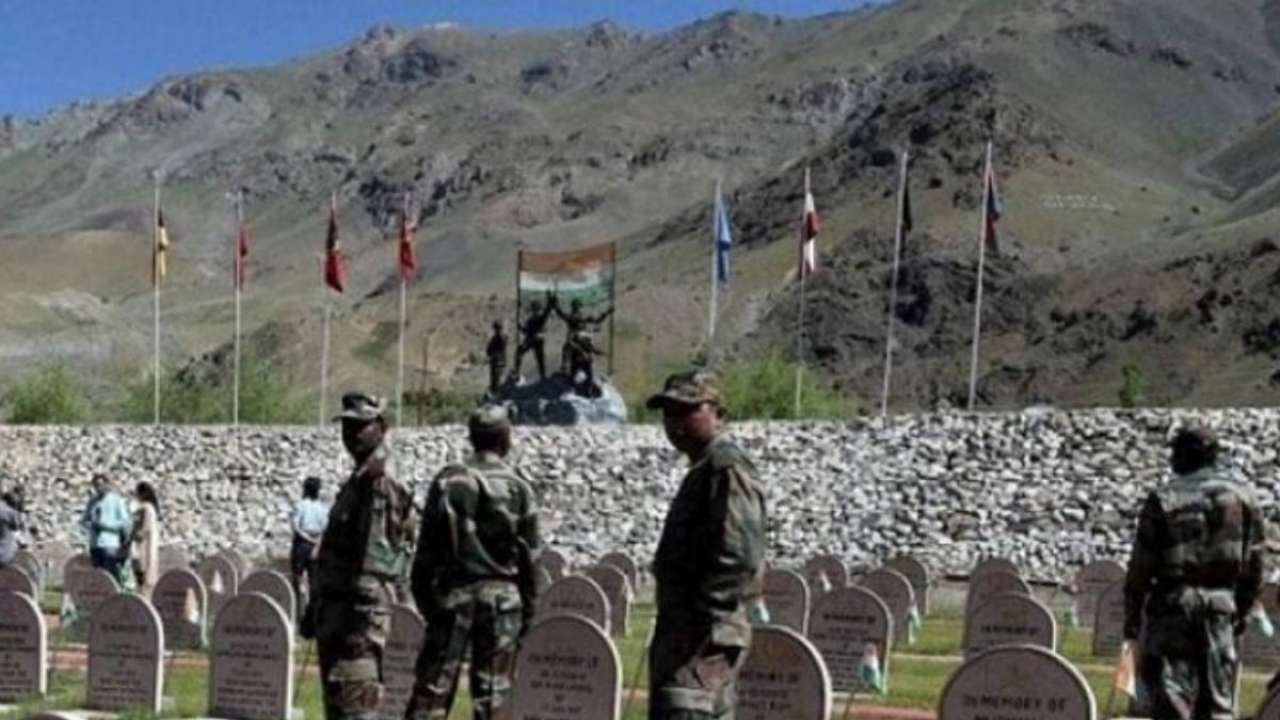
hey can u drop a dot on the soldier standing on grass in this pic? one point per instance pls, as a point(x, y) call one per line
point(1195, 572)
point(709, 561)
point(363, 553)
point(474, 574)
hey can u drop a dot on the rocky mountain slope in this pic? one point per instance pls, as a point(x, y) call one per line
point(1132, 140)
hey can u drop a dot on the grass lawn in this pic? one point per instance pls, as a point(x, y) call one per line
point(917, 673)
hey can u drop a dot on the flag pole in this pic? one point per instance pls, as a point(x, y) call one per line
point(400, 361)
point(893, 291)
point(715, 250)
point(155, 287)
point(977, 299)
point(800, 319)
point(238, 269)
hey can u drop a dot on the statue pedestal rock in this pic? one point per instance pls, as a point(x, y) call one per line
point(558, 401)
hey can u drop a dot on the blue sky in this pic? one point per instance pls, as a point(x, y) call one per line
point(56, 51)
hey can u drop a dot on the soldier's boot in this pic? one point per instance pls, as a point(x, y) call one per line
point(493, 651)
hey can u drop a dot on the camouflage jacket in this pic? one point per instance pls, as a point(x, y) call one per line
point(1201, 531)
point(369, 534)
point(480, 522)
point(709, 562)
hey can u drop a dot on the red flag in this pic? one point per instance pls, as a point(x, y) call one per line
point(242, 256)
point(335, 265)
point(408, 258)
point(810, 225)
point(993, 211)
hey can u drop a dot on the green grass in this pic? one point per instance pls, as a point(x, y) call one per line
point(916, 675)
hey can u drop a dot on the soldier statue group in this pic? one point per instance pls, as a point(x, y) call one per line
point(577, 355)
point(1195, 572)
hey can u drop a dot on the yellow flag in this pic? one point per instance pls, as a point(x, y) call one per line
point(159, 250)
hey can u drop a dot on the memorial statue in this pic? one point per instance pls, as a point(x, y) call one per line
point(579, 351)
point(497, 353)
point(532, 332)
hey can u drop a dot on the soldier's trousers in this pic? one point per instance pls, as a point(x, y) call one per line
point(691, 679)
point(486, 617)
point(350, 637)
point(1189, 661)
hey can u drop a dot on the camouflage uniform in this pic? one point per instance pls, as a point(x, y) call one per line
point(1196, 570)
point(708, 567)
point(362, 553)
point(474, 580)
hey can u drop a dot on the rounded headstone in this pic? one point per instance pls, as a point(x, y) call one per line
point(918, 575)
point(251, 660)
point(843, 623)
point(1108, 621)
point(617, 590)
point(221, 581)
point(555, 563)
point(399, 660)
point(1016, 681)
point(828, 567)
point(86, 591)
point(73, 565)
point(15, 579)
point(576, 595)
point(173, 557)
point(126, 652)
point(31, 565)
point(895, 590)
point(1255, 647)
point(626, 564)
point(180, 600)
point(993, 564)
point(1009, 619)
point(1089, 583)
point(54, 556)
point(783, 677)
point(23, 649)
point(990, 584)
point(569, 670)
point(273, 585)
point(239, 560)
point(786, 595)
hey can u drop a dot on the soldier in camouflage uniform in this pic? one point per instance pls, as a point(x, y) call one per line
point(1195, 572)
point(709, 561)
point(474, 574)
point(363, 551)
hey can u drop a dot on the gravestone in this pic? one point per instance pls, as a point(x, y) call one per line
point(275, 586)
point(786, 595)
point(239, 560)
point(31, 565)
point(251, 660)
point(399, 659)
point(1256, 648)
point(895, 590)
point(221, 581)
point(993, 564)
point(1017, 682)
point(1089, 583)
point(86, 591)
point(1108, 622)
point(843, 623)
point(54, 557)
point(825, 566)
point(74, 565)
point(173, 557)
point(23, 649)
point(783, 678)
point(617, 590)
point(180, 599)
point(569, 670)
point(1009, 619)
point(555, 563)
point(1270, 707)
point(126, 652)
point(15, 579)
point(541, 579)
point(990, 584)
point(627, 565)
point(576, 595)
point(918, 575)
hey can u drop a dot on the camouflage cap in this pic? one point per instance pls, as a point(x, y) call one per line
point(362, 407)
point(689, 388)
point(490, 417)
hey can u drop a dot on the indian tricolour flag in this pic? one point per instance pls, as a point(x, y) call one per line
point(585, 275)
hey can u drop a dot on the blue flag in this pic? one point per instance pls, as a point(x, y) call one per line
point(724, 242)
